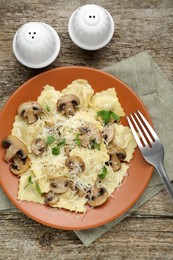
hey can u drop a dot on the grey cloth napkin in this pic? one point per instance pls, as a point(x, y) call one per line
point(142, 74)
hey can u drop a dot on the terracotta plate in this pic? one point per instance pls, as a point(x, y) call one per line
point(123, 198)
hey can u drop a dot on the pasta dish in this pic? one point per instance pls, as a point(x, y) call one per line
point(69, 148)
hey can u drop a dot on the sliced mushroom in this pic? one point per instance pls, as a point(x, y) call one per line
point(38, 146)
point(89, 133)
point(117, 155)
point(120, 152)
point(67, 104)
point(80, 188)
point(16, 152)
point(14, 146)
point(59, 185)
point(49, 123)
point(115, 163)
point(75, 164)
point(30, 110)
point(81, 192)
point(108, 133)
point(51, 198)
point(98, 196)
point(19, 166)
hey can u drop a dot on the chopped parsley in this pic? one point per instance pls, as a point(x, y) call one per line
point(29, 182)
point(61, 142)
point(107, 116)
point(48, 108)
point(103, 172)
point(95, 145)
point(37, 187)
point(55, 151)
point(30, 179)
point(50, 139)
point(77, 140)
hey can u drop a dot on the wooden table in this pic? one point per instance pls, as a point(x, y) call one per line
point(139, 26)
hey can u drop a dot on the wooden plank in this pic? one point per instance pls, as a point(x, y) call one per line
point(139, 26)
point(133, 238)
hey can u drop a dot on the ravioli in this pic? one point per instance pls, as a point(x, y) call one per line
point(82, 90)
point(36, 181)
point(107, 100)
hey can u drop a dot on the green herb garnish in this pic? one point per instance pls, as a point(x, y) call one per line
point(107, 115)
point(37, 187)
point(95, 145)
point(50, 139)
point(48, 108)
point(29, 182)
point(103, 173)
point(77, 140)
point(30, 179)
point(61, 142)
point(55, 151)
point(115, 116)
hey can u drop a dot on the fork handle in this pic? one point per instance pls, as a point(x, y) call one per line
point(164, 176)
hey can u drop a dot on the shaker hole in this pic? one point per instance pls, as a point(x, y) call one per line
point(34, 32)
point(29, 32)
point(90, 16)
point(94, 16)
point(32, 37)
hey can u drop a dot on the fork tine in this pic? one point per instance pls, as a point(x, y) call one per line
point(134, 133)
point(140, 132)
point(143, 127)
point(149, 126)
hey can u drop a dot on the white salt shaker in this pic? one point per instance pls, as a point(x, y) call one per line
point(36, 45)
point(91, 27)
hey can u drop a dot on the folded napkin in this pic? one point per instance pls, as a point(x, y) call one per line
point(142, 74)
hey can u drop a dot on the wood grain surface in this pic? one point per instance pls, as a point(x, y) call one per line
point(139, 25)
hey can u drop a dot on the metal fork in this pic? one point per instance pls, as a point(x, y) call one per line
point(150, 147)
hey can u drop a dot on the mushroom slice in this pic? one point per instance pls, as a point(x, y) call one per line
point(49, 123)
point(80, 188)
point(117, 155)
point(19, 166)
point(30, 110)
point(75, 164)
point(50, 198)
point(59, 185)
point(83, 189)
point(115, 163)
point(38, 146)
point(89, 133)
point(67, 104)
point(14, 146)
point(98, 196)
point(120, 152)
point(108, 133)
